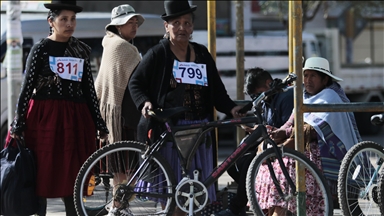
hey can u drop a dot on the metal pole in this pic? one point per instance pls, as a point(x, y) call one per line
point(298, 102)
point(239, 60)
point(14, 56)
point(211, 27)
point(349, 32)
point(290, 40)
point(211, 10)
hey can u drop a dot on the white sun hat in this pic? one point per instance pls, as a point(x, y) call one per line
point(321, 65)
point(122, 13)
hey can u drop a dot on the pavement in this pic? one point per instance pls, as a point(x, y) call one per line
point(56, 207)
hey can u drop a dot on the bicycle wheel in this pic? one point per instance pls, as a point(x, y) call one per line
point(318, 197)
point(105, 174)
point(381, 192)
point(358, 179)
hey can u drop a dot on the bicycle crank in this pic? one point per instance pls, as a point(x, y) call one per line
point(191, 194)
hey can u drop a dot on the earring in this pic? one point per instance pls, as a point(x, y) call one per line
point(190, 37)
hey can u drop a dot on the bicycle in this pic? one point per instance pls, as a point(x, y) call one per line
point(359, 177)
point(151, 188)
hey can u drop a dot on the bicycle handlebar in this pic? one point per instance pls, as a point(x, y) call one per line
point(277, 86)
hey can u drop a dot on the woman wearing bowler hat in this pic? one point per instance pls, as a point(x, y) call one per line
point(57, 110)
point(157, 82)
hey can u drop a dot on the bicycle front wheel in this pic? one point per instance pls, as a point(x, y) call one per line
point(358, 179)
point(106, 173)
point(262, 191)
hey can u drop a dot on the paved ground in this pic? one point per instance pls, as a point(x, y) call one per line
point(56, 207)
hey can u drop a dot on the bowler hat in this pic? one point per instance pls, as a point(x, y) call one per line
point(321, 65)
point(63, 5)
point(176, 8)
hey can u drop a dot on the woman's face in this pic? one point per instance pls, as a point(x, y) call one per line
point(129, 29)
point(313, 82)
point(180, 28)
point(63, 25)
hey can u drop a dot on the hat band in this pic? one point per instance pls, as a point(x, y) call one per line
point(322, 69)
point(123, 14)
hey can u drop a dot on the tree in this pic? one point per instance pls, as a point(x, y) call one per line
point(364, 9)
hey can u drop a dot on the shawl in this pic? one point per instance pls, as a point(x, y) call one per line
point(336, 131)
point(339, 122)
point(118, 61)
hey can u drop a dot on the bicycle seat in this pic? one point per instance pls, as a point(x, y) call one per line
point(377, 119)
point(165, 114)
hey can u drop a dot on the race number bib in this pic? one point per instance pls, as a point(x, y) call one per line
point(68, 68)
point(190, 73)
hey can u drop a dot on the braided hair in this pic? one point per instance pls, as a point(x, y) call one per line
point(52, 14)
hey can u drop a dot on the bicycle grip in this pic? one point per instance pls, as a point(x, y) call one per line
point(245, 108)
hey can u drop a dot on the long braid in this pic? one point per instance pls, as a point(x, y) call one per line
point(52, 14)
point(48, 18)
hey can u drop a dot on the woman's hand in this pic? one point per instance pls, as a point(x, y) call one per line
point(17, 136)
point(279, 135)
point(147, 106)
point(235, 112)
point(103, 135)
point(249, 129)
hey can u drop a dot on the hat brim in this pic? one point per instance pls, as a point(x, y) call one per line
point(165, 17)
point(335, 78)
point(74, 8)
point(124, 19)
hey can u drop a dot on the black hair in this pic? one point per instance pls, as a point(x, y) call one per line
point(255, 78)
point(323, 75)
point(113, 28)
point(52, 14)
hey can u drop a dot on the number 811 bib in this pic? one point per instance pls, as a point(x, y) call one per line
point(190, 73)
point(68, 68)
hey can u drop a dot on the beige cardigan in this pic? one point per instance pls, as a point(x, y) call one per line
point(118, 61)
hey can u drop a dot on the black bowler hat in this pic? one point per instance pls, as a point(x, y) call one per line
point(176, 8)
point(63, 5)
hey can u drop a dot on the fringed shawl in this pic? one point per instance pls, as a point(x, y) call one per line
point(118, 61)
point(337, 131)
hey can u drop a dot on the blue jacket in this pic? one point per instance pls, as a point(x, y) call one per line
point(279, 109)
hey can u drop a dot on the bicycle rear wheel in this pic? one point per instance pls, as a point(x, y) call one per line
point(318, 197)
point(358, 179)
point(107, 172)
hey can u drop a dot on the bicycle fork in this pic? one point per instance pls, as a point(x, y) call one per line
point(279, 156)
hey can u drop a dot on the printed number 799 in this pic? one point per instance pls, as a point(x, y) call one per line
point(191, 73)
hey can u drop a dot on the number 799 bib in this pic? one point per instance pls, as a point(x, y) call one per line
point(68, 68)
point(190, 72)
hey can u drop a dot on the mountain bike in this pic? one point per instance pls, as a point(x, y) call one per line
point(150, 188)
point(359, 178)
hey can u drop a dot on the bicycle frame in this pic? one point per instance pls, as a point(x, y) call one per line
point(259, 135)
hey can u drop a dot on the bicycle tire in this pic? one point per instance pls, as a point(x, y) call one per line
point(356, 195)
point(381, 192)
point(93, 195)
point(253, 191)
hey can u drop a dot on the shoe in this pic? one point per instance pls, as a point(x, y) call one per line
point(119, 212)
